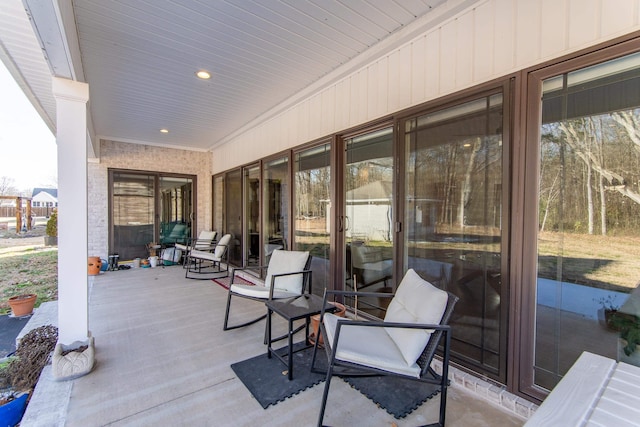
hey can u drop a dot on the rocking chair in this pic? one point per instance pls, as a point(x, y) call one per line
point(288, 275)
point(404, 344)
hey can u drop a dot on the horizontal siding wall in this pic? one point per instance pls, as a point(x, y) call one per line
point(490, 40)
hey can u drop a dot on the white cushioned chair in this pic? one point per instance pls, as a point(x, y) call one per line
point(204, 242)
point(404, 344)
point(287, 276)
point(204, 263)
point(369, 264)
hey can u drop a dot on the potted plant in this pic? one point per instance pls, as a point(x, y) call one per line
point(607, 312)
point(12, 403)
point(629, 327)
point(22, 305)
point(19, 373)
point(51, 238)
point(341, 311)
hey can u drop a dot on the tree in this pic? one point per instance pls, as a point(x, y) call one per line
point(7, 187)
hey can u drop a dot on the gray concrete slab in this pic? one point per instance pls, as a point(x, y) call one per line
point(163, 359)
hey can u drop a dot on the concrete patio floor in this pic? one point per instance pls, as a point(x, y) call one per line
point(163, 359)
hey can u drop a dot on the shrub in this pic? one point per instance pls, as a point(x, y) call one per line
point(52, 224)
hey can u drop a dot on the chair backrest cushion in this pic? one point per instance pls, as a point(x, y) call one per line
point(415, 301)
point(287, 262)
point(221, 247)
point(205, 239)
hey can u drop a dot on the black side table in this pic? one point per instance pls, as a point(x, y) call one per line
point(291, 309)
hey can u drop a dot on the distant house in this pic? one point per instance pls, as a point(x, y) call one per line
point(44, 198)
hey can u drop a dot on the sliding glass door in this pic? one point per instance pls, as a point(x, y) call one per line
point(132, 214)
point(312, 210)
point(176, 210)
point(588, 210)
point(218, 205)
point(275, 205)
point(454, 221)
point(252, 224)
point(149, 207)
point(367, 225)
point(233, 215)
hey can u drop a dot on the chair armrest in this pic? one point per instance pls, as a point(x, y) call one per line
point(233, 271)
point(202, 244)
point(328, 292)
point(445, 329)
point(360, 294)
point(400, 325)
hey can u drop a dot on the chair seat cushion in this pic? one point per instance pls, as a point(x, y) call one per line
point(205, 255)
point(258, 291)
point(370, 346)
point(415, 301)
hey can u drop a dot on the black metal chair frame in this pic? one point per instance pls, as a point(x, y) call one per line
point(306, 284)
point(197, 265)
point(441, 332)
point(193, 243)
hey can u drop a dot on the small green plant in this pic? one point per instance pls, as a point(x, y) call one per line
point(52, 224)
point(629, 327)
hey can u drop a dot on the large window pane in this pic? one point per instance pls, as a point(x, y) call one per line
point(454, 221)
point(133, 212)
point(368, 223)
point(233, 209)
point(589, 216)
point(218, 205)
point(176, 216)
point(312, 209)
point(275, 205)
point(252, 215)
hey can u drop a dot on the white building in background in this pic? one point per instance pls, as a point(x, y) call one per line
point(44, 198)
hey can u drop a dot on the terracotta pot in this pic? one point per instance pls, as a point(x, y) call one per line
point(22, 305)
point(315, 322)
point(95, 263)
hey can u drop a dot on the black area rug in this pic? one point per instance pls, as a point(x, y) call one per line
point(267, 378)
point(267, 381)
point(398, 396)
point(10, 327)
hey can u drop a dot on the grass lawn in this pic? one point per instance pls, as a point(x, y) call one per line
point(28, 272)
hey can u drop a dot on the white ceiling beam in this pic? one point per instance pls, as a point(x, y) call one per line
point(54, 25)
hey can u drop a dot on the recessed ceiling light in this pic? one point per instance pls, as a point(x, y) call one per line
point(164, 130)
point(204, 75)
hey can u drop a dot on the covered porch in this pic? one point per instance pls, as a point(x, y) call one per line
point(163, 359)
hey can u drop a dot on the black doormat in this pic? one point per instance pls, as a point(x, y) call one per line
point(10, 327)
point(398, 396)
point(267, 379)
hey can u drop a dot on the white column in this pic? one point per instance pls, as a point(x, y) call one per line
point(71, 137)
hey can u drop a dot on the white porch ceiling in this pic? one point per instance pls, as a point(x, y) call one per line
point(139, 58)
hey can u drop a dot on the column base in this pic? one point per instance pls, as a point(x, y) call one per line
point(74, 360)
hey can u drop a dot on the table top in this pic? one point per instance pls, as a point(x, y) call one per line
point(298, 307)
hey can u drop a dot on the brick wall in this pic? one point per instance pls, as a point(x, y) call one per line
point(122, 155)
